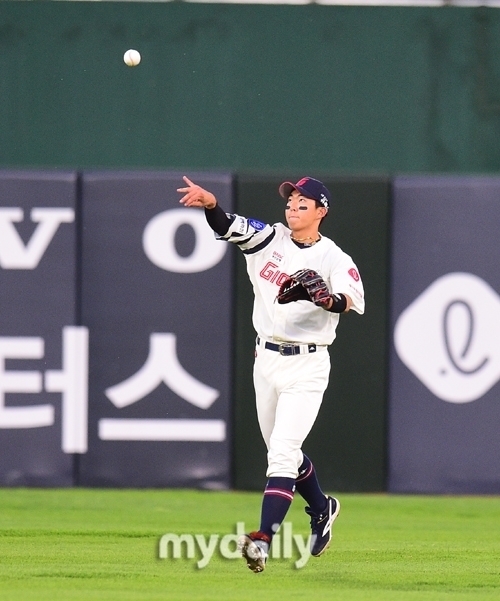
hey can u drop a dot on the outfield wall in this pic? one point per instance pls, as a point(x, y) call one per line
point(126, 344)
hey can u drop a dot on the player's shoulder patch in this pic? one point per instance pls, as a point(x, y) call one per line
point(354, 274)
point(257, 225)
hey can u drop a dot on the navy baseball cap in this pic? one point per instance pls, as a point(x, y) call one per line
point(308, 187)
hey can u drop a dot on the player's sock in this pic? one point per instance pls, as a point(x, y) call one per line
point(278, 496)
point(308, 487)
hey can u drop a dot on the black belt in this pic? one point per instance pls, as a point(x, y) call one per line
point(288, 348)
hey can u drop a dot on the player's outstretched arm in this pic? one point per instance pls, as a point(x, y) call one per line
point(196, 196)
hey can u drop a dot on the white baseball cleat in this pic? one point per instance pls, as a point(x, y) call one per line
point(254, 549)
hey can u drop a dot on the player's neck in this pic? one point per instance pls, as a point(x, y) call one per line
point(306, 236)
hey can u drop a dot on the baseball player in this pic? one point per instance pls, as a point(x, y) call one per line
point(302, 282)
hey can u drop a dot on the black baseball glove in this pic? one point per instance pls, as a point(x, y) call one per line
point(305, 284)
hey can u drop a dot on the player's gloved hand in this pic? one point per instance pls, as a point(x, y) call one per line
point(305, 284)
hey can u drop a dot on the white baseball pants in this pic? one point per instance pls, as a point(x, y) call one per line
point(289, 391)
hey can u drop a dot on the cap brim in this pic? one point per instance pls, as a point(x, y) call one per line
point(286, 189)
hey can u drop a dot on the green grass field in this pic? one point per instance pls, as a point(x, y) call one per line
point(75, 544)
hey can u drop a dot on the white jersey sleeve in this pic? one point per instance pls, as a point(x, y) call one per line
point(249, 235)
point(345, 279)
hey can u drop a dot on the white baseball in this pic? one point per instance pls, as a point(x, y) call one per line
point(132, 58)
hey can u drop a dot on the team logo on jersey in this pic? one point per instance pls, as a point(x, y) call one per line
point(277, 257)
point(354, 274)
point(257, 225)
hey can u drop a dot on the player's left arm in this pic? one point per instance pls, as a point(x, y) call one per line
point(347, 287)
point(339, 303)
point(309, 285)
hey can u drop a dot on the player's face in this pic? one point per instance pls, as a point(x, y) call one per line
point(302, 213)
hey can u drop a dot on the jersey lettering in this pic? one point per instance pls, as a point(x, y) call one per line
point(271, 273)
point(274, 276)
point(268, 270)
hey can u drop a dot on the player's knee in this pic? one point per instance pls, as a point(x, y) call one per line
point(283, 463)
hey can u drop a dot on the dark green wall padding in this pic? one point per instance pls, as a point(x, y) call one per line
point(250, 87)
point(347, 443)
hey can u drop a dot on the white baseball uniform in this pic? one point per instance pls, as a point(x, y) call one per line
point(289, 388)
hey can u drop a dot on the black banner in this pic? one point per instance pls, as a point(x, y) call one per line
point(156, 297)
point(445, 361)
point(43, 355)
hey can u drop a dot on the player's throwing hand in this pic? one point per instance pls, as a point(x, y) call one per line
point(196, 196)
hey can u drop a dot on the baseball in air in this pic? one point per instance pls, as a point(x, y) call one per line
point(132, 58)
